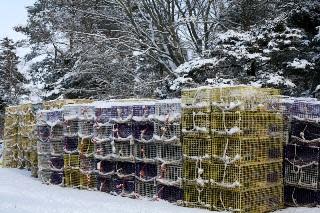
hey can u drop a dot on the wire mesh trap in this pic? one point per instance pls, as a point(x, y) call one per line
point(87, 164)
point(123, 186)
point(146, 152)
point(122, 131)
point(105, 167)
point(197, 197)
point(146, 171)
point(86, 146)
point(143, 131)
point(71, 144)
point(103, 131)
point(104, 183)
point(88, 180)
point(247, 150)
point(56, 163)
point(171, 153)
point(71, 161)
point(259, 200)
point(303, 132)
point(146, 188)
point(86, 128)
point(296, 196)
point(168, 174)
point(45, 175)
point(72, 178)
point(166, 131)
point(124, 169)
point(171, 194)
point(103, 149)
point(57, 147)
point(197, 148)
point(196, 122)
point(56, 178)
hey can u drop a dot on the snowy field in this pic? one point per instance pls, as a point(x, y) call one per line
point(19, 193)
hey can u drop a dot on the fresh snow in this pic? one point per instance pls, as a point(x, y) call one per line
point(300, 64)
point(20, 193)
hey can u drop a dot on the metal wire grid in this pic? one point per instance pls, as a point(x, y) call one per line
point(305, 132)
point(197, 197)
point(145, 151)
point(105, 167)
point(171, 194)
point(306, 176)
point(104, 183)
point(146, 171)
point(247, 150)
point(143, 130)
point(44, 162)
point(196, 97)
point(122, 131)
point(143, 110)
point(88, 181)
point(71, 128)
point(103, 114)
point(104, 131)
point(45, 176)
point(72, 178)
point(56, 163)
point(86, 128)
point(86, 146)
point(124, 150)
point(166, 130)
point(87, 164)
point(71, 161)
point(43, 148)
point(146, 189)
point(168, 108)
point(196, 122)
point(123, 169)
point(71, 144)
point(252, 201)
point(57, 147)
point(121, 112)
point(195, 148)
point(103, 150)
point(234, 177)
point(309, 110)
point(297, 196)
point(123, 186)
point(248, 124)
point(169, 152)
point(56, 178)
point(167, 174)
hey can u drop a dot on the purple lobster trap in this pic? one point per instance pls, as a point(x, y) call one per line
point(146, 171)
point(145, 152)
point(123, 186)
point(169, 174)
point(122, 131)
point(86, 128)
point(43, 148)
point(166, 131)
point(71, 144)
point(305, 132)
point(103, 131)
point(295, 196)
point(171, 194)
point(103, 114)
point(124, 169)
point(56, 163)
point(104, 183)
point(71, 128)
point(43, 132)
point(105, 167)
point(143, 131)
point(146, 188)
point(143, 111)
point(121, 112)
point(302, 166)
point(56, 178)
point(103, 149)
point(169, 152)
point(57, 147)
point(306, 109)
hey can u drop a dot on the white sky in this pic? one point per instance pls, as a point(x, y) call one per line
point(12, 13)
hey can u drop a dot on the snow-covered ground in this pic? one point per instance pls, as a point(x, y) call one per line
point(19, 193)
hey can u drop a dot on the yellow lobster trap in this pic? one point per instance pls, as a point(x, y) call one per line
point(58, 104)
point(195, 196)
point(196, 122)
point(233, 177)
point(197, 148)
point(196, 97)
point(246, 98)
point(248, 201)
point(72, 178)
point(240, 150)
point(246, 124)
point(88, 180)
point(71, 161)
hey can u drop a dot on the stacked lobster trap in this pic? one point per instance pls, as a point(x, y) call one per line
point(10, 151)
point(302, 154)
point(169, 150)
point(50, 146)
point(232, 147)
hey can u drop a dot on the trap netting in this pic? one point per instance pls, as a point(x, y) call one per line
point(232, 148)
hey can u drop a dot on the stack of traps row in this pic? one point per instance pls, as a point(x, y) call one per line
point(232, 149)
point(126, 147)
point(20, 141)
point(302, 154)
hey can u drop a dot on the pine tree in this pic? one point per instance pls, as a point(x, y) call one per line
point(11, 80)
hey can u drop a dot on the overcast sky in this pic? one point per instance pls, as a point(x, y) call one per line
point(12, 13)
